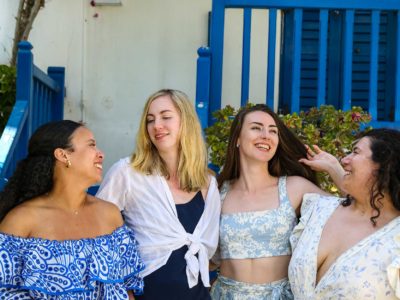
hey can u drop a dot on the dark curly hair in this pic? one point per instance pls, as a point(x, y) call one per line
point(284, 162)
point(34, 174)
point(385, 148)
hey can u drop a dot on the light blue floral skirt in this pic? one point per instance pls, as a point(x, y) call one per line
point(228, 289)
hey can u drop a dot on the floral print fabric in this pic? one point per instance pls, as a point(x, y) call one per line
point(229, 289)
point(259, 233)
point(368, 270)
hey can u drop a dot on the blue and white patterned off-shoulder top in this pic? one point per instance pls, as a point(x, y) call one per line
point(257, 234)
point(103, 267)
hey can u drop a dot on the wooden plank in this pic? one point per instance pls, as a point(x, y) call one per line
point(244, 97)
point(271, 58)
point(322, 53)
point(373, 73)
point(347, 59)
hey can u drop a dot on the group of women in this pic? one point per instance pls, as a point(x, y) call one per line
point(273, 233)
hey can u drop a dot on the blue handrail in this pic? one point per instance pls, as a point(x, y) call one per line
point(39, 99)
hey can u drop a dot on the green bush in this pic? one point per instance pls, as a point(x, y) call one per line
point(332, 130)
point(7, 93)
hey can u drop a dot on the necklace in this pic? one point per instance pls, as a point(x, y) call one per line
point(74, 211)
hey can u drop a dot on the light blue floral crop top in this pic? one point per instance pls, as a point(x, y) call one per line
point(260, 233)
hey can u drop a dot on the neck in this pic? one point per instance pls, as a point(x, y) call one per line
point(68, 198)
point(171, 161)
point(254, 176)
point(387, 210)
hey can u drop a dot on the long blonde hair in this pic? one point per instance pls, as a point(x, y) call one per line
point(192, 165)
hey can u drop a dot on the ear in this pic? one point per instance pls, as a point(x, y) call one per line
point(60, 155)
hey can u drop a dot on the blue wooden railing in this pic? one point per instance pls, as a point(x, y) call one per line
point(210, 60)
point(39, 99)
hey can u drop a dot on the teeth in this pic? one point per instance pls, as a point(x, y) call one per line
point(263, 146)
point(100, 166)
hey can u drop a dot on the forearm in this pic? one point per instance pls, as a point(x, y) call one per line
point(130, 294)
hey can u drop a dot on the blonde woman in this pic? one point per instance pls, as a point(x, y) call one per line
point(168, 197)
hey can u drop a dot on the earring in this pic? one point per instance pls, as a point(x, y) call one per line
point(237, 145)
point(68, 163)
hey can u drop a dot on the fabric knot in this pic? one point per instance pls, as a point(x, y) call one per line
point(196, 264)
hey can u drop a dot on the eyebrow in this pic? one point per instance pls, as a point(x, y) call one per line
point(91, 141)
point(261, 124)
point(161, 112)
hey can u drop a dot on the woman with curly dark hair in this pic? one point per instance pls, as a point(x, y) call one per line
point(262, 185)
point(350, 248)
point(56, 241)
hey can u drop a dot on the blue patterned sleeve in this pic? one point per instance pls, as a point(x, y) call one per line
point(133, 265)
point(40, 267)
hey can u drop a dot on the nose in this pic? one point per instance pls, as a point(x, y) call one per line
point(345, 160)
point(100, 154)
point(264, 133)
point(157, 123)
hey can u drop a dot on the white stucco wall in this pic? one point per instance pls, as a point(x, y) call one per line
point(116, 56)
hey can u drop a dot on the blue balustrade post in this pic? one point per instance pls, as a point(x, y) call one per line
point(217, 48)
point(203, 85)
point(25, 79)
point(57, 108)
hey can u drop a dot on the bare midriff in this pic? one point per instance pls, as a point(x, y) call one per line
point(256, 270)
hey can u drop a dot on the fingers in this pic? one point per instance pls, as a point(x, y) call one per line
point(310, 152)
point(317, 149)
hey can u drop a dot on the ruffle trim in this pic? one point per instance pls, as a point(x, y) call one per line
point(393, 271)
point(307, 207)
point(60, 267)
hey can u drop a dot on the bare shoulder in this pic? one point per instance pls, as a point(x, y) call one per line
point(297, 186)
point(302, 185)
point(22, 219)
point(107, 211)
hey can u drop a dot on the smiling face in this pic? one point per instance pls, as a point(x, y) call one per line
point(359, 167)
point(258, 138)
point(163, 124)
point(86, 159)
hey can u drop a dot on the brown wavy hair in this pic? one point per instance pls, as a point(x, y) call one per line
point(285, 162)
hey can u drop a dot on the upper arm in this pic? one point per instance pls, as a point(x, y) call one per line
point(113, 188)
point(298, 186)
point(18, 222)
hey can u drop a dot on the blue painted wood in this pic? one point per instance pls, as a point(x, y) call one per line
point(322, 53)
point(57, 105)
point(337, 64)
point(384, 124)
point(25, 78)
point(347, 60)
point(217, 49)
point(10, 137)
point(295, 86)
point(45, 79)
point(39, 99)
point(246, 56)
point(373, 75)
point(271, 57)
point(203, 85)
point(397, 71)
point(317, 4)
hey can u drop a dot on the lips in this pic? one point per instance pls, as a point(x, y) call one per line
point(160, 135)
point(99, 166)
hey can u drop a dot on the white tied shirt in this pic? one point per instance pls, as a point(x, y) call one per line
point(149, 209)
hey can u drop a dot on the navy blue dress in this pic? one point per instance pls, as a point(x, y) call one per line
point(170, 282)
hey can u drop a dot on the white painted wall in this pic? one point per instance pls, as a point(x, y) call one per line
point(116, 60)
